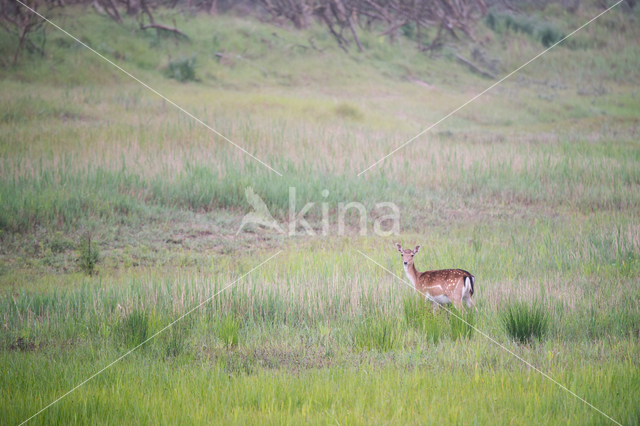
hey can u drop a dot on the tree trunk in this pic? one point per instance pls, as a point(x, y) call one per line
point(355, 35)
point(214, 7)
point(116, 13)
point(20, 40)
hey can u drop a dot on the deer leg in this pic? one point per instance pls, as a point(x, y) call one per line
point(470, 303)
point(457, 302)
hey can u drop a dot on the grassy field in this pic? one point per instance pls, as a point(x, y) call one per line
point(534, 188)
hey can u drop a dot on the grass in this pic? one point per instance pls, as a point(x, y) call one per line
point(525, 323)
point(348, 396)
point(534, 188)
point(301, 315)
point(228, 330)
point(418, 315)
point(134, 329)
point(379, 334)
point(462, 324)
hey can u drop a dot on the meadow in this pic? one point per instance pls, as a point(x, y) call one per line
point(119, 216)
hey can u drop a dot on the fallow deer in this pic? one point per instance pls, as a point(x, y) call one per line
point(441, 287)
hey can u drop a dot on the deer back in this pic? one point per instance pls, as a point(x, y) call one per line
point(442, 282)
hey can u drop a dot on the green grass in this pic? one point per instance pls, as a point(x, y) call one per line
point(228, 330)
point(303, 315)
point(379, 334)
point(525, 323)
point(534, 188)
point(159, 390)
point(420, 315)
point(134, 329)
point(462, 324)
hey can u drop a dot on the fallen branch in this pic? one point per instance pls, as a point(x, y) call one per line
point(157, 27)
point(475, 68)
point(164, 28)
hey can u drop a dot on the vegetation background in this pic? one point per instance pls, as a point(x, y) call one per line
point(119, 213)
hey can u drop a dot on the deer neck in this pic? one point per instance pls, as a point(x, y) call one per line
point(412, 273)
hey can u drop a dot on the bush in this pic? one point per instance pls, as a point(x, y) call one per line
point(183, 69)
point(524, 323)
point(545, 32)
point(550, 35)
point(409, 30)
point(89, 255)
point(519, 24)
point(58, 244)
point(348, 111)
point(379, 334)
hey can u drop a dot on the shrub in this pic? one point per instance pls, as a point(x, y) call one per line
point(519, 24)
point(348, 111)
point(523, 322)
point(379, 334)
point(491, 20)
point(409, 30)
point(183, 69)
point(89, 255)
point(549, 35)
point(545, 32)
point(58, 244)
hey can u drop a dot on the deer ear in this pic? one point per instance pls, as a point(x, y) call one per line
point(399, 247)
point(416, 250)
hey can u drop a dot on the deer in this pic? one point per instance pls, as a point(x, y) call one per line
point(440, 287)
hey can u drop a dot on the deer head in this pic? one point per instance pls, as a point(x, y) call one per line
point(407, 255)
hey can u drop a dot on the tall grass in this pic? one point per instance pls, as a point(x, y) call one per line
point(420, 315)
point(115, 191)
point(525, 323)
point(381, 334)
point(462, 323)
point(159, 391)
point(228, 329)
point(29, 108)
point(134, 328)
point(174, 342)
